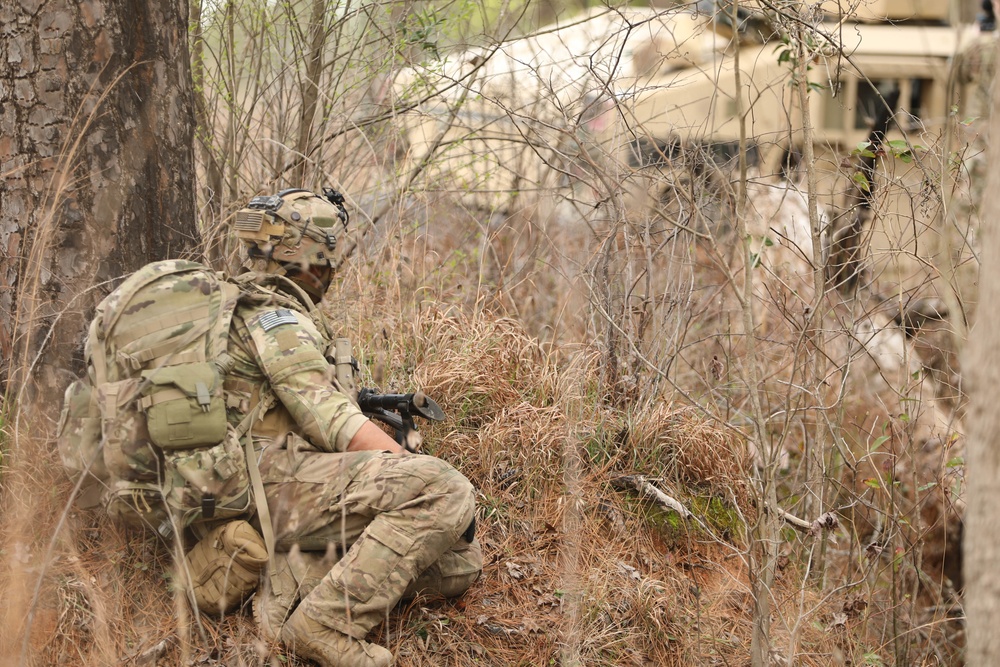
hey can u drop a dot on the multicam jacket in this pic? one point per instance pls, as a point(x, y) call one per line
point(278, 344)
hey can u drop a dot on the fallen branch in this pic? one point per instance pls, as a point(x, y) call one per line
point(826, 521)
point(640, 484)
point(151, 655)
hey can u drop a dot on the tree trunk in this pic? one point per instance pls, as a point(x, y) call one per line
point(96, 150)
point(981, 547)
point(310, 89)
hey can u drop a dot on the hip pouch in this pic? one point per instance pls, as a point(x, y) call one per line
point(225, 567)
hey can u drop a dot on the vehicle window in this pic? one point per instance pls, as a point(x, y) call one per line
point(915, 102)
point(647, 152)
point(871, 99)
point(833, 108)
point(725, 154)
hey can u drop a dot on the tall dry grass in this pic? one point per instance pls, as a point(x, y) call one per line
point(571, 344)
point(533, 434)
point(578, 571)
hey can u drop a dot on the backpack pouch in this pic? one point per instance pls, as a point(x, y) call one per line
point(137, 505)
point(129, 454)
point(208, 483)
point(225, 566)
point(184, 405)
point(79, 439)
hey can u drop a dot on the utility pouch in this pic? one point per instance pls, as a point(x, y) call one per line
point(346, 368)
point(225, 566)
point(207, 483)
point(184, 405)
point(79, 439)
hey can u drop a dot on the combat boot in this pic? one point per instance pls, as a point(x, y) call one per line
point(310, 639)
point(295, 574)
point(272, 608)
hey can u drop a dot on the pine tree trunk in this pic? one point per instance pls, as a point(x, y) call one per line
point(96, 153)
point(981, 545)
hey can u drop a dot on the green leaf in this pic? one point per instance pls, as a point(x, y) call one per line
point(899, 145)
point(906, 157)
point(754, 260)
point(861, 180)
point(768, 242)
point(905, 418)
point(784, 57)
point(955, 462)
point(873, 483)
point(879, 441)
point(928, 485)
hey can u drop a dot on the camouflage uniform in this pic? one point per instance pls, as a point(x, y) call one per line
point(392, 517)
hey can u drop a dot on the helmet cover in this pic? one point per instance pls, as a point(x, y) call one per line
point(294, 229)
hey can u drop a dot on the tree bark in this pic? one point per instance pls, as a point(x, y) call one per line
point(96, 153)
point(310, 88)
point(981, 544)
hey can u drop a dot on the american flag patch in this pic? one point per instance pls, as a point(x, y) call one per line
point(275, 318)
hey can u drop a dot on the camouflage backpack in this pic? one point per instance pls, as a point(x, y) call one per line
point(163, 455)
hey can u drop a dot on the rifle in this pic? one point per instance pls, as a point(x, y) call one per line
point(398, 411)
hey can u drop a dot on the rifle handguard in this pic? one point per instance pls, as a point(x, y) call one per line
point(417, 403)
point(398, 410)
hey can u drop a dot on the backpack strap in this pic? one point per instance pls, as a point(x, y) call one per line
point(219, 335)
point(245, 432)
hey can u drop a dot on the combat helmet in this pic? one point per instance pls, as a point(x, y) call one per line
point(293, 233)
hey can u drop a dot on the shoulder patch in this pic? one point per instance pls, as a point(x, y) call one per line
point(275, 318)
point(287, 339)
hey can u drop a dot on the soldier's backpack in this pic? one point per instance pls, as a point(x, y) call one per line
point(149, 425)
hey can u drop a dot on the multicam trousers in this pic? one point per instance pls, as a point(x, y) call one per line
point(396, 521)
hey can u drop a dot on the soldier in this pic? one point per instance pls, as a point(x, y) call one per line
point(335, 483)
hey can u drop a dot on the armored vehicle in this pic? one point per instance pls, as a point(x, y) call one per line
point(623, 104)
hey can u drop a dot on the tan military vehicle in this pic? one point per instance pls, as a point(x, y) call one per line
point(500, 124)
point(621, 104)
point(895, 66)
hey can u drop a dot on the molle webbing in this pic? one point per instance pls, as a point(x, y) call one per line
point(161, 322)
point(163, 354)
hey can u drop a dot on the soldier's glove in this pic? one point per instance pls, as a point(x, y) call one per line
point(225, 566)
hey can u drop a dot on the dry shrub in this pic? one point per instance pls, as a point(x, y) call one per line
point(486, 358)
point(575, 570)
point(694, 451)
point(600, 584)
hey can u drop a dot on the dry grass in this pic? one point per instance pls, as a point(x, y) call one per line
point(577, 572)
